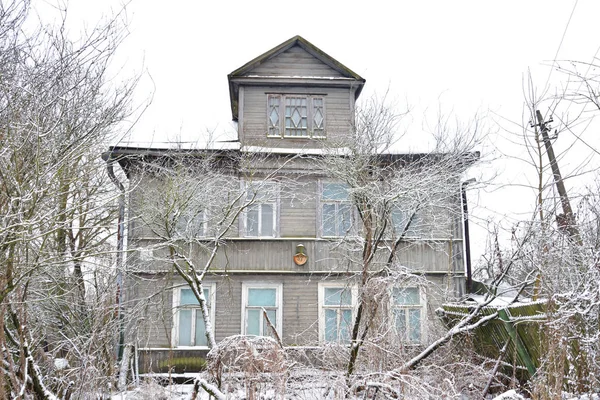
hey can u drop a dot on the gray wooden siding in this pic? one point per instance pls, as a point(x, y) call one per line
point(439, 248)
point(339, 104)
point(299, 308)
point(299, 294)
point(294, 62)
point(138, 216)
point(298, 209)
point(148, 301)
point(323, 255)
point(154, 325)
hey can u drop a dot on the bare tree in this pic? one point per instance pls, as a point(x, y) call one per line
point(56, 295)
point(394, 197)
point(190, 203)
point(557, 244)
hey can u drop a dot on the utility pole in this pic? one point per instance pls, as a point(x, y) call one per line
point(568, 219)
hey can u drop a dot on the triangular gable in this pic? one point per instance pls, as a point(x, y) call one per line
point(295, 47)
point(296, 62)
point(295, 59)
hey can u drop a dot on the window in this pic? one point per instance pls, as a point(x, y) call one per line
point(400, 217)
point(336, 210)
point(260, 218)
point(189, 328)
point(336, 305)
point(407, 313)
point(295, 116)
point(192, 223)
point(255, 299)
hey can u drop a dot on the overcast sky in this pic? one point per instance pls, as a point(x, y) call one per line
point(466, 58)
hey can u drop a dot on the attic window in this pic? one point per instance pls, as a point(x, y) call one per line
point(295, 116)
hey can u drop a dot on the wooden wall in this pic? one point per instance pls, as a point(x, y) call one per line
point(299, 312)
point(295, 61)
point(339, 106)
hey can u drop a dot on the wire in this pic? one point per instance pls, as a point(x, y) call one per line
point(560, 45)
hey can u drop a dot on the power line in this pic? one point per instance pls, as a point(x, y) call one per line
point(560, 45)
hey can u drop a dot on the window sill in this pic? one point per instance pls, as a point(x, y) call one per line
point(173, 348)
point(259, 237)
point(190, 348)
point(305, 138)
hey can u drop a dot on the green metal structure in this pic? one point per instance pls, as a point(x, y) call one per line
point(518, 325)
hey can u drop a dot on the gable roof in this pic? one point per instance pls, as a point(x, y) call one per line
point(344, 75)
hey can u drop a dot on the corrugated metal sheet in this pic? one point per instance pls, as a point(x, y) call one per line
point(518, 325)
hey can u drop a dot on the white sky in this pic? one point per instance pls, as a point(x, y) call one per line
point(465, 57)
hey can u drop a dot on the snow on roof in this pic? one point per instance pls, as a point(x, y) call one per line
point(504, 301)
point(337, 78)
point(173, 145)
point(300, 151)
point(198, 146)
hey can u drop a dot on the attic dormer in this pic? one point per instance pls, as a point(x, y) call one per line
point(293, 96)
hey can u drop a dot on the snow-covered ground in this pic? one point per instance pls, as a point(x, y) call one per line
point(152, 390)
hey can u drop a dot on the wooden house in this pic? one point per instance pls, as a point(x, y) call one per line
point(282, 255)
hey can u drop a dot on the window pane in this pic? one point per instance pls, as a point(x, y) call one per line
point(191, 222)
point(338, 297)
point(400, 322)
point(329, 220)
point(185, 327)
point(273, 115)
point(267, 220)
point(414, 321)
point(262, 297)
point(344, 219)
point(330, 325)
point(188, 298)
point(252, 220)
point(401, 216)
point(335, 191)
point(272, 314)
point(417, 226)
point(207, 297)
point(181, 225)
point(398, 220)
point(345, 325)
point(406, 296)
point(200, 330)
point(196, 224)
point(253, 322)
point(296, 116)
point(273, 101)
point(318, 114)
point(261, 191)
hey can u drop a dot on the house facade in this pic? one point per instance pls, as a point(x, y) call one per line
point(292, 254)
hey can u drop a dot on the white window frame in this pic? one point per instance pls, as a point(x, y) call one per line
point(415, 231)
point(274, 202)
point(321, 214)
point(322, 307)
point(421, 307)
point(195, 309)
point(280, 128)
point(202, 232)
point(278, 301)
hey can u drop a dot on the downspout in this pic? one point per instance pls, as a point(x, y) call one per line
point(108, 157)
point(463, 193)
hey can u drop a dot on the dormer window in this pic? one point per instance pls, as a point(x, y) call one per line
point(295, 116)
